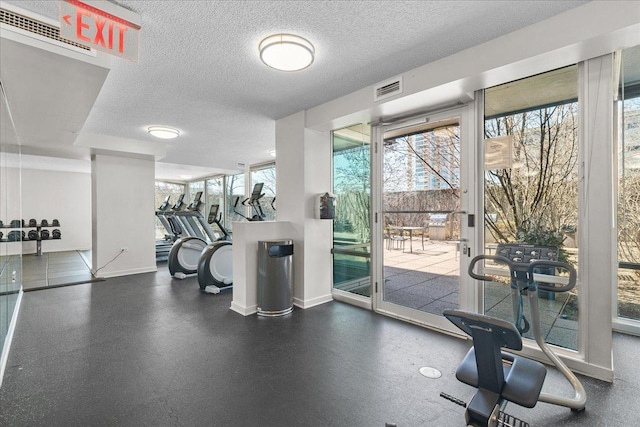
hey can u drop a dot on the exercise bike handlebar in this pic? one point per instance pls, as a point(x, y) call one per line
point(541, 281)
point(566, 285)
point(497, 258)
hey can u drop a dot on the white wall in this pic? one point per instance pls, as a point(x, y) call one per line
point(123, 215)
point(290, 187)
point(65, 196)
point(318, 234)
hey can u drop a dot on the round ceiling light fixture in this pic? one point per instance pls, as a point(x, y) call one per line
point(286, 52)
point(163, 132)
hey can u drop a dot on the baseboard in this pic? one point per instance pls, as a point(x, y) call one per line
point(7, 342)
point(127, 272)
point(304, 304)
point(245, 311)
point(353, 299)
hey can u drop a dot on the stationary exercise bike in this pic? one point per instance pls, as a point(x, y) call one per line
point(215, 266)
point(501, 377)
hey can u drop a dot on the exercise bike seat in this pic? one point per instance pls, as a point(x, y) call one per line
point(487, 367)
point(523, 378)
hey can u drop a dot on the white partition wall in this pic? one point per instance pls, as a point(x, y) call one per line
point(123, 215)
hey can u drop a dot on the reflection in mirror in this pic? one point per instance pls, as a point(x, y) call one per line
point(10, 209)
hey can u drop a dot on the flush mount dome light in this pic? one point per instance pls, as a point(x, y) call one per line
point(286, 52)
point(163, 132)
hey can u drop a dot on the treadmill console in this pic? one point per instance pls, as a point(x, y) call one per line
point(256, 194)
point(165, 204)
point(213, 214)
point(179, 204)
point(196, 203)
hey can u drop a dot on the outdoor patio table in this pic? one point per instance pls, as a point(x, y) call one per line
point(410, 230)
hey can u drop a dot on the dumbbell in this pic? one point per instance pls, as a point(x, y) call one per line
point(55, 223)
point(1, 234)
point(44, 234)
point(56, 234)
point(45, 223)
point(14, 236)
point(33, 235)
point(33, 223)
point(1, 224)
point(16, 223)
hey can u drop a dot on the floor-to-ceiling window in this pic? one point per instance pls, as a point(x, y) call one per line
point(164, 190)
point(628, 131)
point(531, 180)
point(215, 193)
point(193, 188)
point(233, 197)
point(266, 175)
point(351, 227)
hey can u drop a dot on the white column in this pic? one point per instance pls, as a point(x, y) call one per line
point(303, 170)
point(122, 203)
point(597, 232)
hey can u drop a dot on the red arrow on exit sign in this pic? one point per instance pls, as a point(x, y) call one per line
point(101, 25)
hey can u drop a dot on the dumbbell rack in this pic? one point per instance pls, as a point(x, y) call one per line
point(38, 241)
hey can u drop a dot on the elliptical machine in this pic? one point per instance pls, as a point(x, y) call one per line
point(185, 252)
point(215, 266)
point(184, 256)
point(501, 377)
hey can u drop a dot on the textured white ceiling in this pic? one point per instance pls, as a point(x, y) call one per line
point(199, 69)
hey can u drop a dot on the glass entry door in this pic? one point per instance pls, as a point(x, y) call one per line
point(424, 218)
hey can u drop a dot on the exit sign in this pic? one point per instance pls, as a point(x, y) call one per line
point(101, 25)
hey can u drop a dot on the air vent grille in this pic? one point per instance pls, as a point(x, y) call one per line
point(31, 25)
point(387, 89)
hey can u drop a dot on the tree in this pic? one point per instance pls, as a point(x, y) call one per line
point(352, 185)
point(535, 200)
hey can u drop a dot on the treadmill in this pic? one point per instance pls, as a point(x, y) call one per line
point(195, 221)
point(180, 217)
point(164, 246)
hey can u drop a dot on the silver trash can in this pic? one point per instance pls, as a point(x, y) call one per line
point(275, 277)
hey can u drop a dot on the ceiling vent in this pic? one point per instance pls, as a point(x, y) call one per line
point(387, 89)
point(241, 165)
point(35, 27)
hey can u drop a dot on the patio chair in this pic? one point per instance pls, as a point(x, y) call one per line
point(396, 239)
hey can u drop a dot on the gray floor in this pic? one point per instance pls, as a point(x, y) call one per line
point(149, 350)
point(55, 269)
